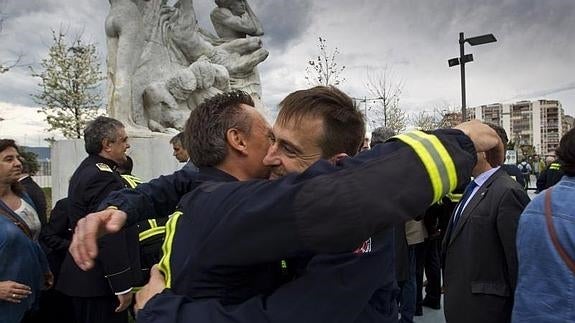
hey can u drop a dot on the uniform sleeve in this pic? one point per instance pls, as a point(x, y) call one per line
point(322, 211)
point(510, 208)
point(155, 199)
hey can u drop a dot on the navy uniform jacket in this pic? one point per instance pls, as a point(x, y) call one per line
point(93, 180)
point(346, 279)
point(263, 221)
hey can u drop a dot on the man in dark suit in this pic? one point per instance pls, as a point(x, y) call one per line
point(479, 254)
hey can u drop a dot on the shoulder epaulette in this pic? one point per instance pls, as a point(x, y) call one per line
point(104, 167)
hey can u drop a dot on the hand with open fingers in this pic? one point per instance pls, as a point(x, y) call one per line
point(84, 246)
point(13, 292)
point(155, 286)
point(124, 301)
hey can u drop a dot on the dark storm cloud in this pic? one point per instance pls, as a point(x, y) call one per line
point(284, 20)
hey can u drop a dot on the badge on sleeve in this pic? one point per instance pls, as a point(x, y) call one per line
point(103, 167)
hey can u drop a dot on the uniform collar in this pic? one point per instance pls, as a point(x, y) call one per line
point(218, 173)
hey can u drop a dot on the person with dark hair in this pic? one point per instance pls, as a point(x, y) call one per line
point(55, 239)
point(479, 254)
point(34, 190)
point(381, 135)
point(180, 152)
point(24, 269)
point(511, 169)
point(546, 249)
point(103, 293)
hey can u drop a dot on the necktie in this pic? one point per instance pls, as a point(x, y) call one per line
point(466, 194)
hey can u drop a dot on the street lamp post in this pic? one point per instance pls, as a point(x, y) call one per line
point(462, 59)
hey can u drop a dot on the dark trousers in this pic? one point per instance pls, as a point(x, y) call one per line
point(419, 251)
point(98, 310)
point(433, 271)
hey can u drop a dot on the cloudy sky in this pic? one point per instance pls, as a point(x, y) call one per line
point(533, 57)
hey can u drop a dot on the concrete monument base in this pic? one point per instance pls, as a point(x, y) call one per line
point(152, 157)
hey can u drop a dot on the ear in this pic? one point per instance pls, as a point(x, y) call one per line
point(237, 140)
point(336, 158)
point(106, 143)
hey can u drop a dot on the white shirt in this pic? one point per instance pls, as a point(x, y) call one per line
point(27, 213)
point(479, 180)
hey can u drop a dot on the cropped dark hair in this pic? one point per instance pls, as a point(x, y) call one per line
point(380, 135)
point(99, 129)
point(177, 139)
point(566, 152)
point(206, 128)
point(344, 126)
point(500, 131)
point(16, 187)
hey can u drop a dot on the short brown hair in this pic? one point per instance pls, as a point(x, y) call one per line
point(344, 125)
point(206, 128)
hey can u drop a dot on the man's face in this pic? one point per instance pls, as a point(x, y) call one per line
point(119, 146)
point(295, 146)
point(180, 153)
point(258, 142)
point(10, 166)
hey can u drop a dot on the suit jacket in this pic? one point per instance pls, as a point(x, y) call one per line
point(480, 257)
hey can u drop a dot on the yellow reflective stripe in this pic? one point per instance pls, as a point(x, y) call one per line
point(436, 160)
point(132, 180)
point(555, 166)
point(153, 223)
point(164, 264)
point(151, 232)
point(454, 197)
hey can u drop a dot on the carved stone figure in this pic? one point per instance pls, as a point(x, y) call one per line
point(161, 64)
point(234, 20)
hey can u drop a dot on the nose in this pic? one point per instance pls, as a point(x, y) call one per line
point(272, 157)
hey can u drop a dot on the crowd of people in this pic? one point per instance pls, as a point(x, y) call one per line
point(302, 221)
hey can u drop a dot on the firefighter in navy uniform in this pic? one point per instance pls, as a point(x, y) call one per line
point(550, 176)
point(287, 220)
point(103, 293)
point(213, 251)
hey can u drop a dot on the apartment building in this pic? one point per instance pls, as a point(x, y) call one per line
point(539, 123)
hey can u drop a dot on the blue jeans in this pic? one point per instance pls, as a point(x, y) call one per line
point(407, 295)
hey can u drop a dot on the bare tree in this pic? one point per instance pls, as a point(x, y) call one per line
point(7, 65)
point(385, 110)
point(425, 120)
point(444, 116)
point(324, 70)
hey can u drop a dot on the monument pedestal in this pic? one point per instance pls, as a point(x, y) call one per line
point(152, 157)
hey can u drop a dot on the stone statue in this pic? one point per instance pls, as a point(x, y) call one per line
point(232, 20)
point(125, 41)
point(161, 64)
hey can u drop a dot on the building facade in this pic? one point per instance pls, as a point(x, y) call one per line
point(538, 124)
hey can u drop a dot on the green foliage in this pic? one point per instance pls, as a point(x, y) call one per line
point(29, 162)
point(324, 70)
point(70, 94)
